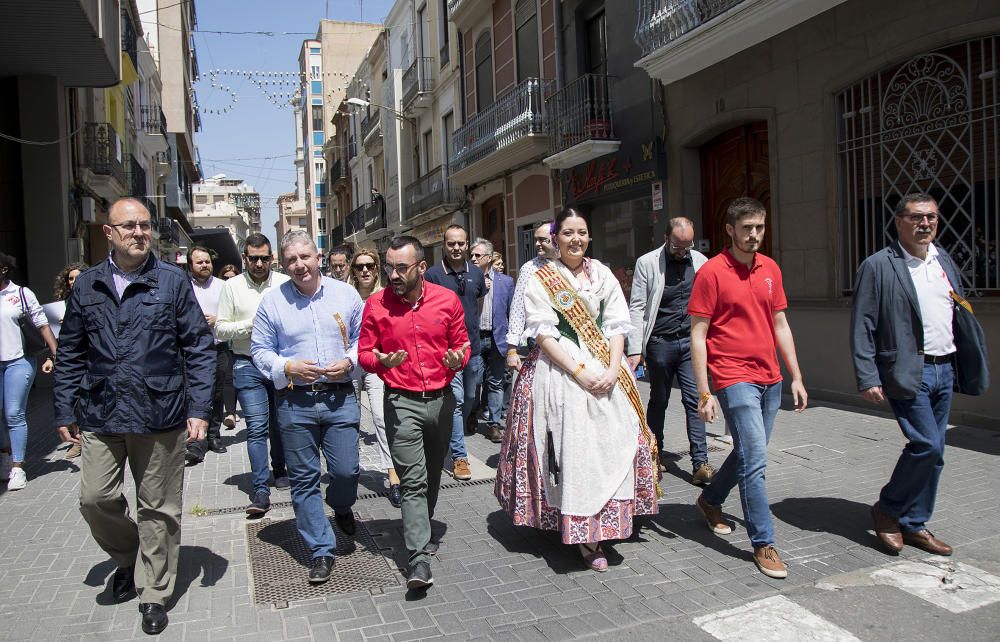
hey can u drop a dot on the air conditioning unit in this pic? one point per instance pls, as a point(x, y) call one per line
point(74, 249)
point(88, 210)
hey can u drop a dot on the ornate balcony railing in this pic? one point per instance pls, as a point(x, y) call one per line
point(520, 113)
point(375, 216)
point(136, 178)
point(338, 170)
point(153, 120)
point(418, 79)
point(663, 21)
point(355, 221)
point(370, 123)
point(102, 151)
point(430, 190)
point(582, 110)
point(130, 42)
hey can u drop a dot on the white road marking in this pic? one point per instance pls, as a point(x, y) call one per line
point(774, 618)
point(951, 585)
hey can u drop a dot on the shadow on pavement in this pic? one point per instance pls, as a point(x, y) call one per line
point(976, 439)
point(242, 481)
point(561, 558)
point(834, 515)
point(684, 520)
point(194, 561)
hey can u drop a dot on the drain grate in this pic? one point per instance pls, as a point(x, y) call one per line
point(279, 563)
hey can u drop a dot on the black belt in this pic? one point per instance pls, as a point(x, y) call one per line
point(674, 335)
point(419, 394)
point(486, 333)
point(939, 358)
point(326, 386)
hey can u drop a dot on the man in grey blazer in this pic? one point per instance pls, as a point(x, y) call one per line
point(904, 345)
point(661, 336)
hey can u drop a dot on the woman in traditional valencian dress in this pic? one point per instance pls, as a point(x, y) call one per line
point(577, 455)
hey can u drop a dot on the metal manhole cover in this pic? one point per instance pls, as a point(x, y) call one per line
point(279, 562)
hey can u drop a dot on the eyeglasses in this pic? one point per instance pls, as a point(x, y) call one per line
point(362, 267)
point(917, 219)
point(460, 281)
point(681, 248)
point(129, 226)
point(257, 259)
point(478, 255)
point(402, 269)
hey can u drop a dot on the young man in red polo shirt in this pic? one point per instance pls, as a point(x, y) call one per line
point(737, 320)
point(413, 337)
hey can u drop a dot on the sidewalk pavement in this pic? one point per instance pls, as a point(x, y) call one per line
point(494, 581)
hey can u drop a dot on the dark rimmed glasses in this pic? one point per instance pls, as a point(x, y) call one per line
point(402, 269)
point(257, 259)
point(361, 267)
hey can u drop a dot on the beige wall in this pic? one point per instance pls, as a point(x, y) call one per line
point(790, 81)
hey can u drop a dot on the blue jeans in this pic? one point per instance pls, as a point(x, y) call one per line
point(666, 359)
point(749, 409)
point(494, 364)
point(16, 376)
point(256, 395)
point(464, 386)
point(912, 489)
point(311, 422)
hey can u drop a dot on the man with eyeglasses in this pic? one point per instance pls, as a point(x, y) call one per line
point(493, 335)
point(207, 290)
point(413, 337)
point(338, 262)
point(545, 250)
point(661, 336)
point(134, 382)
point(238, 305)
point(904, 345)
point(467, 281)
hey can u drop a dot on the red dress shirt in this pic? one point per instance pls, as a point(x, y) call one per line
point(425, 331)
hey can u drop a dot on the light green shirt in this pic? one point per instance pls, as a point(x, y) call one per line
point(238, 307)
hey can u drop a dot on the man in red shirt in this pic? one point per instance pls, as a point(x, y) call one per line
point(413, 337)
point(737, 310)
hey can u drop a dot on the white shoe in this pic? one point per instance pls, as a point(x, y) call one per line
point(18, 479)
point(6, 465)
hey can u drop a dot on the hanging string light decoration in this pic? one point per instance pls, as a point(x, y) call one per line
point(283, 89)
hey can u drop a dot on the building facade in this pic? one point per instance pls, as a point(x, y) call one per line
point(829, 112)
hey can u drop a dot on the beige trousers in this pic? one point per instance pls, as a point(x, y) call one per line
point(157, 465)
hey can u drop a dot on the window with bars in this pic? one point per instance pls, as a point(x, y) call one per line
point(930, 124)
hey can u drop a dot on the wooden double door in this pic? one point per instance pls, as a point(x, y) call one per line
point(734, 164)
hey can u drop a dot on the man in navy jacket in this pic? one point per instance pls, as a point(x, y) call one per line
point(493, 334)
point(904, 347)
point(134, 372)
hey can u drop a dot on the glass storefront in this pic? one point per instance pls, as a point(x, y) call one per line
point(621, 232)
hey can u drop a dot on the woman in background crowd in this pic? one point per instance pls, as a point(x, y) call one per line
point(366, 271)
point(17, 369)
point(228, 271)
point(60, 291)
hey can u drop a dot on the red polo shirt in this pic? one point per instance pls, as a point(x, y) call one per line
point(741, 303)
point(426, 331)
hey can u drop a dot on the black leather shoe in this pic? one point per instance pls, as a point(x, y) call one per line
point(420, 576)
point(395, 495)
point(193, 457)
point(321, 570)
point(154, 618)
point(123, 584)
point(346, 523)
point(261, 504)
point(215, 445)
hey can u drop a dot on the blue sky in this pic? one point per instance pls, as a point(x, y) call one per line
point(255, 140)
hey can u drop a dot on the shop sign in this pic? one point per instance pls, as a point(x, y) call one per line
point(607, 175)
point(657, 196)
point(433, 232)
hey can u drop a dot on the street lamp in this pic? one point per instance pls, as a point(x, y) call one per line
point(360, 102)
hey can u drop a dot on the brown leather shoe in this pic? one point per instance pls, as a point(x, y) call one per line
point(769, 562)
point(887, 530)
point(494, 433)
point(461, 470)
point(925, 540)
point(703, 474)
point(713, 517)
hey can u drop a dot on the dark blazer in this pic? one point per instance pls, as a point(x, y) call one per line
point(138, 364)
point(887, 334)
point(469, 293)
point(503, 294)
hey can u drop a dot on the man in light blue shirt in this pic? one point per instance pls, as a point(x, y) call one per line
point(305, 337)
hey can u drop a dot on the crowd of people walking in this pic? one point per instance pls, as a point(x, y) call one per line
point(149, 361)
